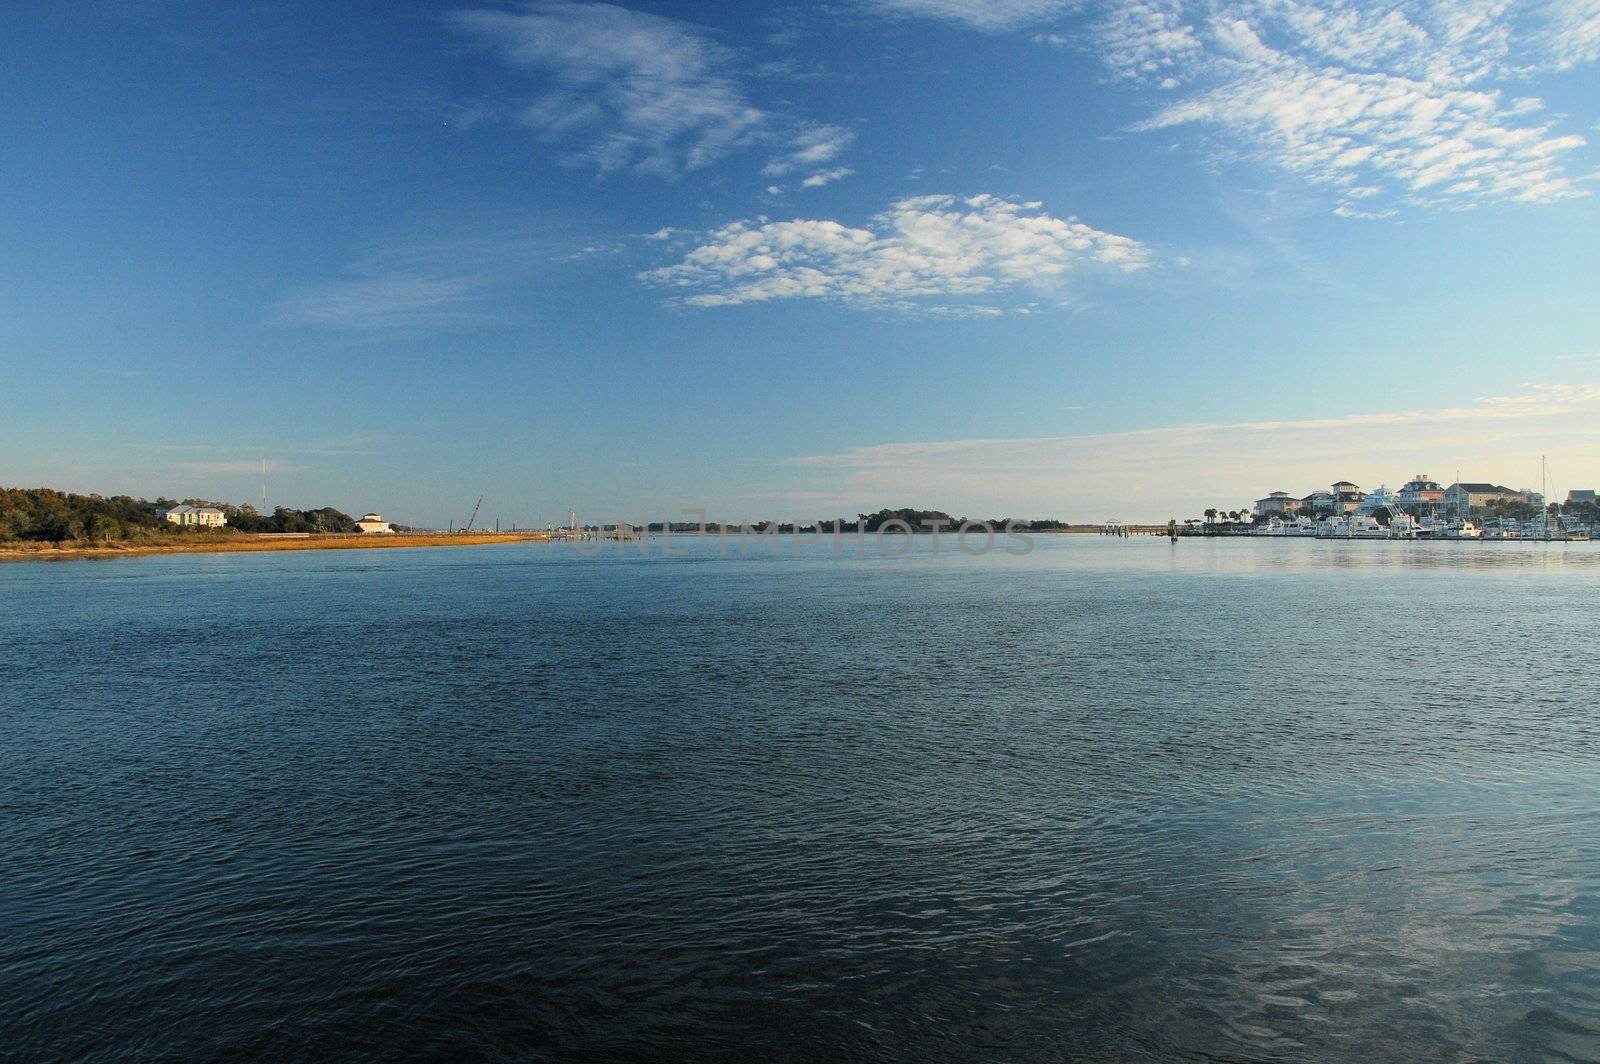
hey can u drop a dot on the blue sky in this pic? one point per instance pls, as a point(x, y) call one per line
point(1015, 257)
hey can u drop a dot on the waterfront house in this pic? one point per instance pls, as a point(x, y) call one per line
point(374, 523)
point(1347, 497)
point(1279, 502)
point(1463, 499)
point(1380, 498)
point(1420, 494)
point(1317, 502)
point(193, 516)
point(1419, 490)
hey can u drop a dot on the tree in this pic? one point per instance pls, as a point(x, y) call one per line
point(59, 527)
point(104, 528)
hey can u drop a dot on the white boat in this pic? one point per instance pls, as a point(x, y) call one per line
point(1352, 526)
point(1300, 526)
point(1462, 530)
point(1404, 526)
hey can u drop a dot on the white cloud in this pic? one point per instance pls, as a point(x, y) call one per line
point(439, 274)
point(454, 270)
point(1567, 33)
point(812, 146)
point(826, 177)
point(1346, 210)
point(384, 302)
point(1153, 474)
point(922, 247)
point(236, 467)
point(1401, 97)
point(640, 92)
point(1146, 39)
point(988, 15)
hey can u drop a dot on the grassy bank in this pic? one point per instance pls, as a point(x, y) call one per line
point(234, 543)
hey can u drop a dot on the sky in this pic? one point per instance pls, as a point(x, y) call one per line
point(1043, 258)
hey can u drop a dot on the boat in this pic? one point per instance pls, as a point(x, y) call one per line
point(1461, 530)
point(1352, 526)
point(1300, 526)
point(1404, 526)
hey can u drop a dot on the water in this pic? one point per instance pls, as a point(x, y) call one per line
point(1113, 800)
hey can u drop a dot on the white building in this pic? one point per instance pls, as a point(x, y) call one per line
point(373, 523)
point(1379, 498)
point(194, 516)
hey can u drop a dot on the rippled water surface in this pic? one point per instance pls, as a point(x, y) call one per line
point(1113, 800)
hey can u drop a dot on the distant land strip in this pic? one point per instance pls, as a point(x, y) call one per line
point(234, 543)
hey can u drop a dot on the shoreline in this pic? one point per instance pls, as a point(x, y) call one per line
point(252, 545)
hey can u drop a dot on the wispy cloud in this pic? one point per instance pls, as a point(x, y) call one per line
point(1159, 472)
point(810, 147)
point(1566, 33)
point(392, 302)
point(920, 248)
point(826, 177)
point(634, 91)
point(237, 467)
point(442, 273)
point(352, 445)
point(1405, 98)
point(1586, 358)
point(988, 15)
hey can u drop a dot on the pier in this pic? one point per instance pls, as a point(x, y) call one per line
point(1117, 528)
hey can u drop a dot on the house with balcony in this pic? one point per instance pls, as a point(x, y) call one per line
point(1379, 498)
point(187, 516)
point(1279, 503)
point(1318, 502)
point(1347, 498)
point(1421, 495)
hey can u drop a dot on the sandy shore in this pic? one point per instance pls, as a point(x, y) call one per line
point(248, 543)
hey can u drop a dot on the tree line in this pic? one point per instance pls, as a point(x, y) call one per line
point(916, 520)
point(50, 516)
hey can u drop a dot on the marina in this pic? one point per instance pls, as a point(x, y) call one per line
point(1421, 509)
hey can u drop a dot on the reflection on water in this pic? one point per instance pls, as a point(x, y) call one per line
point(1110, 800)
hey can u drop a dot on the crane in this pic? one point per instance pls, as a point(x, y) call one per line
point(468, 526)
